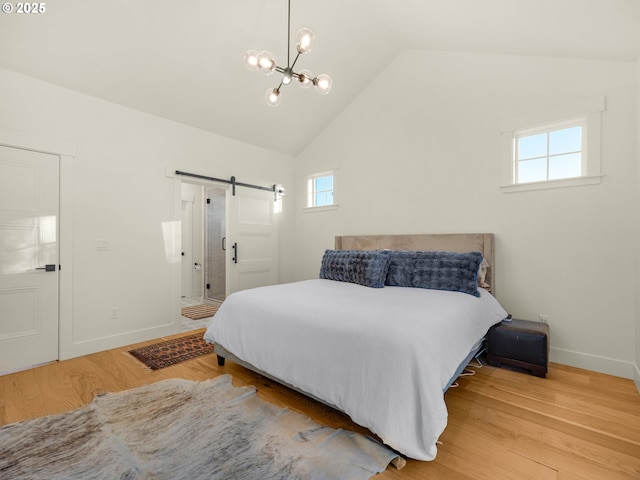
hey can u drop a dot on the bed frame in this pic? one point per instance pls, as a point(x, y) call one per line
point(451, 242)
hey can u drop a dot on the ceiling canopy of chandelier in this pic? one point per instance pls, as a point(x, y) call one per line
point(265, 63)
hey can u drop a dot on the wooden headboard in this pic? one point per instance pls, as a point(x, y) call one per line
point(449, 242)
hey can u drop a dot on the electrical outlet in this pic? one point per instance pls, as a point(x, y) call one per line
point(115, 313)
point(543, 317)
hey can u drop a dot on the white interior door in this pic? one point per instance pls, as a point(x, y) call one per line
point(252, 240)
point(29, 279)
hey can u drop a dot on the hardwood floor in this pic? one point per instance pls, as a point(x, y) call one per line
point(503, 424)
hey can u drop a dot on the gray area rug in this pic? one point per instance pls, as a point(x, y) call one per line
point(180, 429)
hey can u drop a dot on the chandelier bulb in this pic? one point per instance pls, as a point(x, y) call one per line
point(323, 83)
point(251, 59)
point(305, 79)
point(266, 62)
point(272, 97)
point(305, 40)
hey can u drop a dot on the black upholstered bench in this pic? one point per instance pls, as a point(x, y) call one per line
point(520, 343)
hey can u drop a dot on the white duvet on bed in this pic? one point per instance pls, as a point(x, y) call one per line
point(382, 355)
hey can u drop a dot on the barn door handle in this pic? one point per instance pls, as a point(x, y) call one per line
point(224, 243)
point(235, 253)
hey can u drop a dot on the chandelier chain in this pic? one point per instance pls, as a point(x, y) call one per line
point(289, 34)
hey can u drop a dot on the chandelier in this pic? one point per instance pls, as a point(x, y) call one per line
point(265, 63)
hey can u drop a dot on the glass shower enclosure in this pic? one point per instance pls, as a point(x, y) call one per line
point(215, 277)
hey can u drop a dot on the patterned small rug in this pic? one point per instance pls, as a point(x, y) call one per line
point(171, 352)
point(196, 312)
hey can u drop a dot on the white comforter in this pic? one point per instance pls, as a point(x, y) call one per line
point(382, 355)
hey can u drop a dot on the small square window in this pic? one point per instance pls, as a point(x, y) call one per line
point(320, 190)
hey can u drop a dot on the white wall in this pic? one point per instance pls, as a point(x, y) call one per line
point(120, 192)
point(419, 152)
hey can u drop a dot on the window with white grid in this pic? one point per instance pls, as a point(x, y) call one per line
point(555, 148)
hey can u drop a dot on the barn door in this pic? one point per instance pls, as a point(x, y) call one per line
point(252, 242)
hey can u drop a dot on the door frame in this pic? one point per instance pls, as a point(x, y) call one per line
point(177, 189)
point(194, 248)
point(66, 152)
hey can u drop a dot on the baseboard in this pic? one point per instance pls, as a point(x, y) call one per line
point(87, 347)
point(596, 363)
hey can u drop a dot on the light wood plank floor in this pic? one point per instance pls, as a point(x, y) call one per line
point(503, 424)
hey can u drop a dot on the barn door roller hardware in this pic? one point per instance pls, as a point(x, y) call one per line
point(277, 190)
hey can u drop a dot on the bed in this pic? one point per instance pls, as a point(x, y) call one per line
point(384, 354)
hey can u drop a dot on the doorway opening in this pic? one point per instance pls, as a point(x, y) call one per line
point(204, 227)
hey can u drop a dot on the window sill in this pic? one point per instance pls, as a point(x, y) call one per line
point(320, 209)
point(562, 183)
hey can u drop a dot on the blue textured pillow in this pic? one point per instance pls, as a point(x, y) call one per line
point(364, 267)
point(457, 272)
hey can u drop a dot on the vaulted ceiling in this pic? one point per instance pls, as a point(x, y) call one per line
point(182, 60)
